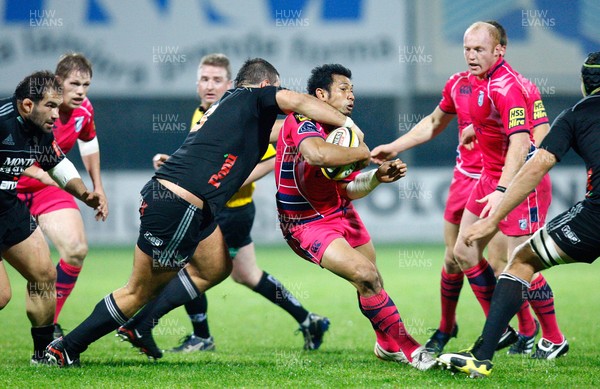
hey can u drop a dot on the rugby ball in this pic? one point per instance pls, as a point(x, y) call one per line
point(345, 137)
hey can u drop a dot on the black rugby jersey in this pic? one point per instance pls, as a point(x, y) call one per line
point(214, 161)
point(20, 147)
point(579, 128)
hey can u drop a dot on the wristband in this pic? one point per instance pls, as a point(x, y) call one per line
point(362, 185)
point(500, 188)
point(349, 122)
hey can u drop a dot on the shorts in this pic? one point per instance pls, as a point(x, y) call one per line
point(170, 227)
point(458, 193)
point(527, 217)
point(576, 232)
point(310, 240)
point(16, 225)
point(47, 200)
point(236, 224)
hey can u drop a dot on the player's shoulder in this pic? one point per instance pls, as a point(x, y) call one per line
point(300, 123)
point(457, 77)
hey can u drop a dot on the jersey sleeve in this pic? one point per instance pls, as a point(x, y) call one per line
point(538, 110)
point(560, 138)
point(447, 102)
point(267, 100)
point(88, 131)
point(300, 127)
point(512, 106)
point(50, 155)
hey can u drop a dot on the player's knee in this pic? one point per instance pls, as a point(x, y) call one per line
point(367, 278)
point(76, 251)
point(5, 297)
point(462, 256)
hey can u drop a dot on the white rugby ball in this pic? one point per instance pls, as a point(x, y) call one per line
point(345, 137)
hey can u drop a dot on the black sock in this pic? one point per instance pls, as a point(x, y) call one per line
point(507, 300)
point(105, 318)
point(42, 336)
point(274, 291)
point(196, 310)
point(178, 291)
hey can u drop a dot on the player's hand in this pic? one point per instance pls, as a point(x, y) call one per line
point(479, 229)
point(390, 171)
point(382, 153)
point(491, 202)
point(101, 191)
point(365, 162)
point(468, 138)
point(158, 160)
point(97, 201)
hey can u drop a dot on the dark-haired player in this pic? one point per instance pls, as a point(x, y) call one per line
point(180, 248)
point(573, 236)
point(26, 122)
point(54, 209)
point(319, 222)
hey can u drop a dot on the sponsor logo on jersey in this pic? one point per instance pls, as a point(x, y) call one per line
point(8, 140)
point(480, 98)
point(300, 118)
point(307, 127)
point(566, 230)
point(516, 117)
point(8, 185)
point(465, 90)
point(215, 179)
point(539, 111)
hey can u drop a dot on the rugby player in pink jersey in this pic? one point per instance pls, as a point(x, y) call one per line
point(56, 211)
point(320, 223)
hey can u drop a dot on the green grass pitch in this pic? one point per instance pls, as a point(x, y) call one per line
point(257, 346)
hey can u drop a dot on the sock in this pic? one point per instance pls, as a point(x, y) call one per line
point(526, 321)
point(450, 287)
point(178, 291)
point(541, 298)
point(66, 277)
point(196, 310)
point(383, 340)
point(41, 336)
point(105, 318)
point(384, 317)
point(271, 289)
point(482, 280)
point(507, 299)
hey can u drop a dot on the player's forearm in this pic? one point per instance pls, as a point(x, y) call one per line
point(540, 132)
point(515, 157)
point(92, 165)
point(310, 106)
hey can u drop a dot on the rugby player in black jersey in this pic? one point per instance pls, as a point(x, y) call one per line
point(180, 247)
point(573, 236)
point(26, 121)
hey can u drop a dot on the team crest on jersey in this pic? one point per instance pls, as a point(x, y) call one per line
point(516, 117)
point(523, 224)
point(78, 123)
point(480, 98)
point(300, 118)
point(314, 248)
point(307, 127)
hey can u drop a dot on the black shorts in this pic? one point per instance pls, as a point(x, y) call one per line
point(576, 232)
point(16, 225)
point(236, 224)
point(170, 227)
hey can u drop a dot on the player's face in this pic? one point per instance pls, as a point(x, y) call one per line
point(45, 112)
point(212, 84)
point(75, 89)
point(341, 96)
point(480, 51)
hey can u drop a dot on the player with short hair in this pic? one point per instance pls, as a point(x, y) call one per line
point(235, 221)
point(55, 210)
point(570, 237)
point(319, 222)
point(26, 121)
point(180, 248)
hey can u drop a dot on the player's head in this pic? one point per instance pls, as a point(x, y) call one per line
point(590, 74)
point(74, 73)
point(213, 79)
point(503, 36)
point(38, 97)
point(257, 72)
point(481, 47)
point(332, 83)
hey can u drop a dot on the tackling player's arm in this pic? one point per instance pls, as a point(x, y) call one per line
point(425, 130)
point(528, 177)
point(309, 106)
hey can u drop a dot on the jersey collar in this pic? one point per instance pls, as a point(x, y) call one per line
point(498, 63)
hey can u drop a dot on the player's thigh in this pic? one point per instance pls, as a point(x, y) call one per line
point(210, 263)
point(368, 250)
point(5, 292)
point(343, 260)
point(65, 229)
point(497, 252)
point(31, 258)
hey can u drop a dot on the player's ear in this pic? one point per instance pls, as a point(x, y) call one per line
point(27, 105)
point(321, 94)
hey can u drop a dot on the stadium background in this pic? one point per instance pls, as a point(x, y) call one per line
point(145, 54)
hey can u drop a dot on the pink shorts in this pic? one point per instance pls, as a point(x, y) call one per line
point(458, 193)
point(47, 200)
point(310, 240)
point(527, 217)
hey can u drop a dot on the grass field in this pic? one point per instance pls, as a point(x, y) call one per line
point(257, 347)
